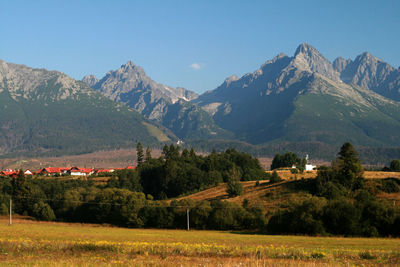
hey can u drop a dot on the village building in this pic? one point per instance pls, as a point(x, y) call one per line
point(76, 171)
point(9, 173)
point(52, 171)
point(309, 167)
point(28, 172)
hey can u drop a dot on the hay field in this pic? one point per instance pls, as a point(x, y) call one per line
point(61, 244)
point(287, 175)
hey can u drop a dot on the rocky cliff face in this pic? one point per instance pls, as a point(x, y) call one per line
point(22, 82)
point(370, 72)
point(130, 84)
point(90, 80)
point(308, 58)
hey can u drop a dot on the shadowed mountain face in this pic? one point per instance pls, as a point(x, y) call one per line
point(305, 98)
point(48, 112)
point(168, 106)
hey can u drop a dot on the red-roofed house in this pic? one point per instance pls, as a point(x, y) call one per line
point(52, 171)
point(9, 173)
point(130, 167)
point(75, 171)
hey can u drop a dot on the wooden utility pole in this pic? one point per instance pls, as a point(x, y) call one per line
point(10, 211)
point(187, 219)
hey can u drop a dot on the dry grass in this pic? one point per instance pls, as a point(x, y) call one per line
point(381, 175)
point(277, 196)
point(269, 196)
point(62, 244)
point(287, 175)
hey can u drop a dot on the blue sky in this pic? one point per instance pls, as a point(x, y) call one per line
point(192, 44)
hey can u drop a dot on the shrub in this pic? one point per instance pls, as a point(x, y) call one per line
point(389, 186)
point(234, 188)
point(3, 209)
point(42, 211)
point(395, 165)
point(275, 178)
point(341, 217)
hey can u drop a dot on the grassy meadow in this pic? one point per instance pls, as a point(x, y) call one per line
point(61, 244)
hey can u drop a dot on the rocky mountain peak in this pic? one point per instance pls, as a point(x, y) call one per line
point(90, 80)
point(366, 58)
point(231, 79)
point(339, 64)
point(310, 59)
point(129, 67)
point(306, 49)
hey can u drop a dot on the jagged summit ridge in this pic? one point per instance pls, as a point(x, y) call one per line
point(370, 72)
point(308, 58)
point(130, 84)
point(27, 83)
point(90, 80)
point(166, 105)
point(302, 98)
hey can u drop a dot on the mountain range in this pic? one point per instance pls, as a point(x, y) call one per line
point(290, 101)
point(304, 98)
point(47, 112)
point(168, 106)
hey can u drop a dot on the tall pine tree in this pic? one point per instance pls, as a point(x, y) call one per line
point(139, 153)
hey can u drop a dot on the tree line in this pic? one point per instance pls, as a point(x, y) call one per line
point(341, 202)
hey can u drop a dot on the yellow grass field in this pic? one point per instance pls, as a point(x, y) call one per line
point(277, 193)
point(60, 244)
point(287, 175)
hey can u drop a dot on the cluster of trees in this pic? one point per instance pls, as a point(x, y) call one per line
point(394, 166)
point(288, 160)
point(83, 201)
point(173, 174)
point(176, 173)
point(341, 202)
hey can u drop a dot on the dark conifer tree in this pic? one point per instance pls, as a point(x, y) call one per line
point(148, 154)
point(139, 153)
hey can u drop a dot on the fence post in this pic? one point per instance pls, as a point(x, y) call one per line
point(187, 219)
point(10, 211)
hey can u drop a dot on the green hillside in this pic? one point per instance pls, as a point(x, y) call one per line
point(334, 114)
point(59, 115)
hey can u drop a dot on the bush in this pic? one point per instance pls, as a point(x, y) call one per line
point(226, 215)
point(275, 178)
point(395, 165)
point(341, 217)
point(3, 209)
point(389, 186)
point(234, 188)
point(304, 218)
point(42, 211)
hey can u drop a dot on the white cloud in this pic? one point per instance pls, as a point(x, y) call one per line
point(197, 66)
